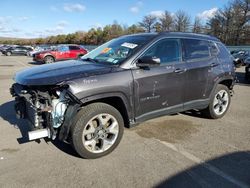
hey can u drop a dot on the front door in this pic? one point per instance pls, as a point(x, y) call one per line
point(159, 90)
point(63, 53)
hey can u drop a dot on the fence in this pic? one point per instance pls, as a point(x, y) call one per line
point(231, 48)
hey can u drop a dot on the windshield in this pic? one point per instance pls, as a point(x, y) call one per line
point(118, 50)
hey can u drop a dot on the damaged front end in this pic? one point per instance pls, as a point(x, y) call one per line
point(49, 109)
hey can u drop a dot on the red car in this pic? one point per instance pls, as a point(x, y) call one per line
point(62, 52)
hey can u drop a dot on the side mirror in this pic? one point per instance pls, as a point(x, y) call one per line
point(148, 61)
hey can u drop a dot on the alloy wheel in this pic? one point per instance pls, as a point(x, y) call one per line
point(100, 133)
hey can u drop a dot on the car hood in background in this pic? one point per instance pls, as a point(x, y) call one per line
point(58, 72)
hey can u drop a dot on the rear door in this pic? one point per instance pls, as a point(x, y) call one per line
point(158, 90)
point(199, 64)
point(74, 51)
point(17, 51)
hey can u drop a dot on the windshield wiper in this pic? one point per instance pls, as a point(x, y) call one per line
point(91, 60)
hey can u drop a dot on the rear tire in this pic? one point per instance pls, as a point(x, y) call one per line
point(79, 56)
point(97, 130)
point(219, 103)
point(49, 59)
point(8, 53)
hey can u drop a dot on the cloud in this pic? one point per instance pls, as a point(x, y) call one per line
point(136, 8)
point(157, 13)
point(207, 14)
point(6, 29)
point(9, 30)
point(74, 7)
point(5, 20)
point(58, 29)
point(63, 23)
point(54, 30)
point(23, 18)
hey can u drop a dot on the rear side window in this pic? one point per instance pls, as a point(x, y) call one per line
point(168, 50)
point(74, 48)
point(223, 51)
point(195, 49)
point(224, 55)
point(213, 49)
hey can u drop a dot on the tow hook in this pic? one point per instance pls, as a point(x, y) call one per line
point(231, 92)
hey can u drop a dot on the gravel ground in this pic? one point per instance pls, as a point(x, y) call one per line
point(182, 150)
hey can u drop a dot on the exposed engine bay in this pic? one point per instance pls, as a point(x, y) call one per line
point(45, 108)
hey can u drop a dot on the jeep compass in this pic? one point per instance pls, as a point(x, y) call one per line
point(123, 82)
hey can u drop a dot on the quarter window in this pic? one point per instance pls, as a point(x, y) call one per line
point(195, 49)
point(74, 48)
point(213, 49)
point(168, 50)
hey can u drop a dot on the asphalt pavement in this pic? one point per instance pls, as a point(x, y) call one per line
point(181, 150)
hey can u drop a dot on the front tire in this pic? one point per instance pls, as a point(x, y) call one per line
point(8, 53)
point(97, 130)
point(219, 102)
point(49, 59)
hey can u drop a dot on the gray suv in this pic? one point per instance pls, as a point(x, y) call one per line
point(124, 82)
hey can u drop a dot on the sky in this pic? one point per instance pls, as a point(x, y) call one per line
point(41, 18)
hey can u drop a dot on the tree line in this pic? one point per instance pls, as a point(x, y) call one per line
point(231, 24)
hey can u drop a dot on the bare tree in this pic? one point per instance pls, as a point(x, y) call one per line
point(148, 23)
point(197, 27)
point(181, 21)
point(166, 22)
point(215, 27)
point(231, 24)
point(157, 27)
point(240, 9)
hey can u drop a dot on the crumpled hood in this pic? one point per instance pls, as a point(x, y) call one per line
point(52, 74)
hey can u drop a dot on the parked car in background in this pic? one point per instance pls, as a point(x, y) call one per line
point(3, 48)
point(38, 49)
point(61, 52)
point(124, 82)
point(239, 57)
point(20, 50)
point(247, 68)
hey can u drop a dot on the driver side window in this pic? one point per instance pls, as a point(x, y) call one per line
point(167, 50)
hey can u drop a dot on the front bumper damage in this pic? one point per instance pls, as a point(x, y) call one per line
point(48, 109)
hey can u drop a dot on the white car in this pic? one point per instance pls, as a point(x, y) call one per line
point(37, 49)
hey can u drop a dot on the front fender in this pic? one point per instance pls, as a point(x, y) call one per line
point(103, 96)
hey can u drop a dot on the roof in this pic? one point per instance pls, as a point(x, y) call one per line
point(191, 35)
point(178, 35)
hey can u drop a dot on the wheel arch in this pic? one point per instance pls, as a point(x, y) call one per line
point(117, 100)
point(228, 81)
point(46, 55)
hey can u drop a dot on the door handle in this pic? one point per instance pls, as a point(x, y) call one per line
point(214, 64)
point(179, 70)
